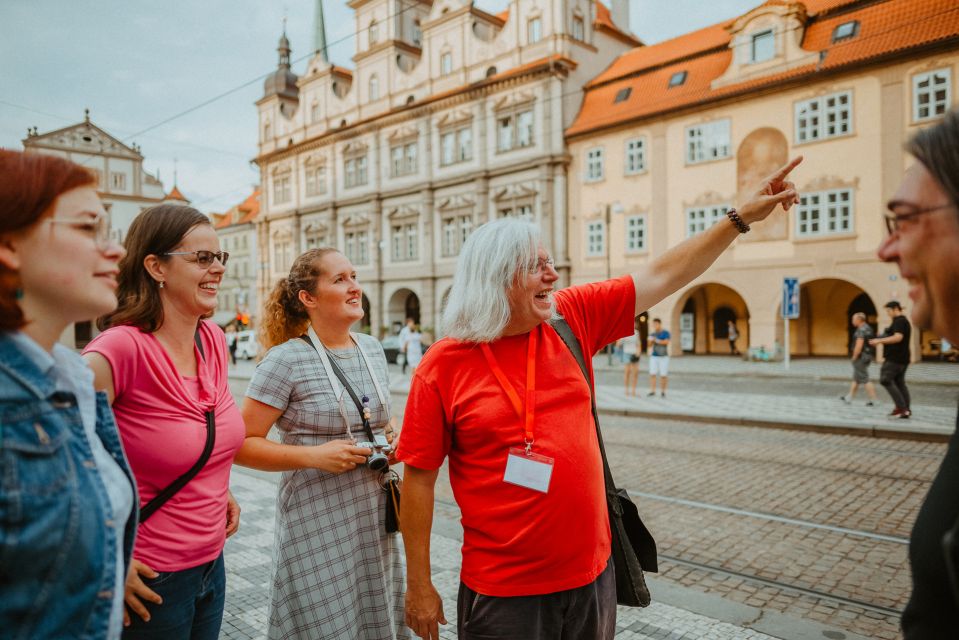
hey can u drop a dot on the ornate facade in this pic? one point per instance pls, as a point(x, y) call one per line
point(452, 117)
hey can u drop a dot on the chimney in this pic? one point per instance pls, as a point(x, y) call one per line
point(619, 10)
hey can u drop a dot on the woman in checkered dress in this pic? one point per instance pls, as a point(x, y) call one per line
point(336, 572)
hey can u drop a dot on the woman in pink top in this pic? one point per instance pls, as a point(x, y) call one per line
point(165, 372)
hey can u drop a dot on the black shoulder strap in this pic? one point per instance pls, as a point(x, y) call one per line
point(346, 385)
point(566, 333)
point(171, 490)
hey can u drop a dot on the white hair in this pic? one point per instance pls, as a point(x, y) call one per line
point(493, 256)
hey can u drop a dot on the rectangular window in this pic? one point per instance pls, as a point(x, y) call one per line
point(522, 211)
point(824, 213)
point(447, 148)
point(404, 241)
point(514, 130)
point(594, 164)
point(354, 173)
point(931, 94)
point(596, 238)
point(446, 64)
point(449, 247)
point(456, 146)
point(698, 219)
point(456, 229)
point(118, 181)
point(403, 159)
point(707, 141)
point(635, 234)
point(763, 46)
point(535, 30)
point(824, 117)
point(635, 156)
point(356, 245)
point(315, 112)
point(281, 189)
point(315, 180)
point(579, 29)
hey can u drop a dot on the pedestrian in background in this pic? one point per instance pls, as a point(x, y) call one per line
point(862, 355)
point(164, 370)
point(536, 543)
point(412, 347)
point(337, 572)
point(923, 241)
point(896, 354)
point(631, 350)
point(733, 336)
point(658, 358)
point(67, 505)
point(231, 341)
point(404, 334)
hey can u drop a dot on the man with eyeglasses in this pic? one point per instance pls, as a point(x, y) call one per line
point(923, 240)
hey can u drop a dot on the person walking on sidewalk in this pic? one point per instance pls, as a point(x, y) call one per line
point(733, 336)
point(503, 377)
point(337, 573)
point(923, 241)
point(405, 332)
point(659, 358)
point(412, 346)
point(862, 355)
point(892, 374)
point(231, 342)
point(164, 369)
point(631, 351)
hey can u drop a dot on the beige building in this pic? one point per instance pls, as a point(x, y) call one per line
point(236, 229)
point(124, 187)
point(451, 117)
point(670, 136)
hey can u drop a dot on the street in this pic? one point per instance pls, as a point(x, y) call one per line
point(761, 532)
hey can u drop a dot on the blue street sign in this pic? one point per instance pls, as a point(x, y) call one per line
point(790, 305)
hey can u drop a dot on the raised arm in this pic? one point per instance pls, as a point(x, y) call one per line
point(424, 607)
point(686, 261)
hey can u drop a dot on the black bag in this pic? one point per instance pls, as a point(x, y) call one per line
point(161, 498)
point(633, 547)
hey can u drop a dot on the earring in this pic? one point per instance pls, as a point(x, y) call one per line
point(161, 284)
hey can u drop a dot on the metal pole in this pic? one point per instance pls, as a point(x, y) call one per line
point(786, 340)
point(609, 270)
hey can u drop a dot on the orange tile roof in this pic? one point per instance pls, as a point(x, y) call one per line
point(885, 28)
point(175, 195)
point(242, 213)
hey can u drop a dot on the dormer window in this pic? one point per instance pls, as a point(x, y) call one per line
point(623, 94)
point(845, 31)
point(374, 32)
point(763, 46)
point(677, 79)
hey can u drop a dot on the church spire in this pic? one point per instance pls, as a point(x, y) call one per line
point(319, 37)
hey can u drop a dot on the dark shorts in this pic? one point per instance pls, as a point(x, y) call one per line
point(860, 368)
point(634, 359)
point(584, 612)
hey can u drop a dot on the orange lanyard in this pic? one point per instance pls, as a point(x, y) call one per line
point(511, 392)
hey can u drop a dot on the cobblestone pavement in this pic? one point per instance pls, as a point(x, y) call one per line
point(248, 578)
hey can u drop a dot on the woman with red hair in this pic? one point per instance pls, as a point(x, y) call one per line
point(67, 505)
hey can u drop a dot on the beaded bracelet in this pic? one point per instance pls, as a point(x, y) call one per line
point(737, 221)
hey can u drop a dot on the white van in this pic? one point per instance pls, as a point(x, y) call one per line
point(247, 347)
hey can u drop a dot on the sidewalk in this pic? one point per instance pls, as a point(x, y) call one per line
point(676, 611)
point(826, 413)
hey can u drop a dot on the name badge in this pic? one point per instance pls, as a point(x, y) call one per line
point(531, 471)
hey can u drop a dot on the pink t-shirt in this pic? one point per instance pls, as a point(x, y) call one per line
point(161, 418)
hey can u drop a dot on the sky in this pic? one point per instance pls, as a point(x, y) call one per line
point(180, 78)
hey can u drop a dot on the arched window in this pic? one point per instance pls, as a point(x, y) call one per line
point(374, 87)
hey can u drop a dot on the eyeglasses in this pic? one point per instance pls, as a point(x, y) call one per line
point(203, 258)
point(893, 220)
point(541, 266)
point(98, 227)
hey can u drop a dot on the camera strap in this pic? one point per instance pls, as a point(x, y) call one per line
point(335, 368)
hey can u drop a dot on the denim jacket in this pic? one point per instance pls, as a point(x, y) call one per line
point(57, 543)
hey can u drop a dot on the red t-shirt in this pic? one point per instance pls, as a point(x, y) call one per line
point(518, 541)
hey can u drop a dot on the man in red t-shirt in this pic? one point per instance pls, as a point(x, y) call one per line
point(503, 398)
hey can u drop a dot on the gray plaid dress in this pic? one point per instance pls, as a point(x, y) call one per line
point(336, 572)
